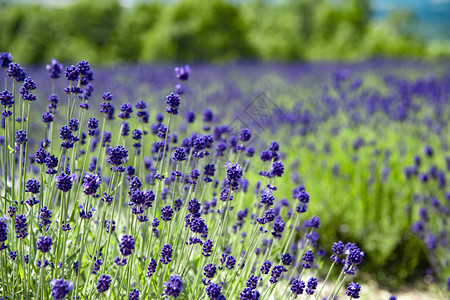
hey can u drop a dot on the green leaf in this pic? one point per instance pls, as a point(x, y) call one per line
point(73, 256)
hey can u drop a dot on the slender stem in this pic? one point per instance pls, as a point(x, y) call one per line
point(23, 267)
point(291, 233)
point(100, 147)
point(222, 224)
point(165, 144)
point(110, 228)
point(41, 280)
point(112, 282)
point(339, 288)
point(5, 159)
point(129, 273)
point(3, 274)
point(61, 212)
point(326, 279)
point(80, 256)
point(334, 288)
point(13, 162)
point(69, 101)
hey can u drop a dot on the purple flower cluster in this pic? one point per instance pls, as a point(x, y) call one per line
point(60, 288)
point(44, 243)
point(126, 245)
point(166, 254)
point(173, 287)
point(174, 102)
point(103, 283)
point(160, 181)
point(54, 69)
point(21, 226)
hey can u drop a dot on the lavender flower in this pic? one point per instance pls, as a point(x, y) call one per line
point(190, 116)
point(60, 288)
point(64, 182)
point(21, 226)
point(47, 117)
point(126, 109)
point(54, 69)
point(5, 59)
point(207, 248)
point(174, 102)
point(103, 283)
point(75, 267)
point(277, 169)
point(174, 286)
point(3, 232)
point(32, 186)
point(266, 266)
point(230, 263)
point(210, 270)
point(151, 267)
point(133, 295)
point(45, 216)
point(91, 182)
point(311, 286)
point(276, 273)
point(11, 211)
point(179, 154)
point(44, 244)
point(182, 73)
point(245, 135)
point(214, 291)
point(166, 254)
point(286, 259)
point(166, 213)
point(126, 245)
point(353, 290)
point(92, 124)
point(297, 287)
point(16, 71)
point(233, 176)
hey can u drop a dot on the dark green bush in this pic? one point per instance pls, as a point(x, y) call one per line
point(215, 30)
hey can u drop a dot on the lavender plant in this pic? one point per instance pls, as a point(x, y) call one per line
point(77, 205)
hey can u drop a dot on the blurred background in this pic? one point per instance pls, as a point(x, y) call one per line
point(110, 31)
point(363, 114)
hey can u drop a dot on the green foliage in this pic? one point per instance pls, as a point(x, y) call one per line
point(215, 30)
point(197, 30)
point(127, 40)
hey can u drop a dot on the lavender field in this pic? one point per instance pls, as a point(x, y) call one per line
point(238, 181)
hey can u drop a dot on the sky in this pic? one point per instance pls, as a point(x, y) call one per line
point(433, 15)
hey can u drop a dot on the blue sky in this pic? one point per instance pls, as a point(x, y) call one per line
point(433, 15)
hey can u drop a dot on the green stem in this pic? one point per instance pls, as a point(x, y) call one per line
point(100, 147)
point(13, 162)
point(334, 288)
point(80, 257)
point(69, 103)
point(112, 282)
point(26, 150)
point(326, 279)
point(5, 159)
point(339, 288)
point(58, 249)
point(41, 280)
point(3, 274)
point(165, 145)
point(291, 233)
